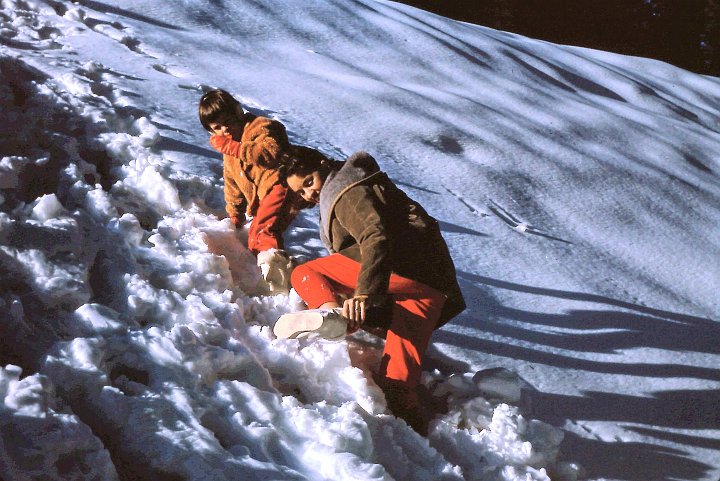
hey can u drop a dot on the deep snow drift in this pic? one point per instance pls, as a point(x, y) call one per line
point(577, 189)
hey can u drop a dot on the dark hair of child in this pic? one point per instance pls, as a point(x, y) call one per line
point(303, 161)
point(215, 105)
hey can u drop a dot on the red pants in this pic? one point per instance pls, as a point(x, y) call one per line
point(271, 219)
point(415, 313)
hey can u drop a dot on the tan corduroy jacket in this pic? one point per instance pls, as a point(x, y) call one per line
point(249, 166)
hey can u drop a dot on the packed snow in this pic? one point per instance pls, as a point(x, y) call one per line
point(578, 191)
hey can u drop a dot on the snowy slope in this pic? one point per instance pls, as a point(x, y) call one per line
point(578, 191)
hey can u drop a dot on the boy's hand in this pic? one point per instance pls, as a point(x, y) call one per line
point(364, 310)
point(354, 309)
point(276, 267)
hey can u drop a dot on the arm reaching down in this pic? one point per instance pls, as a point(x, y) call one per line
point(263, 141)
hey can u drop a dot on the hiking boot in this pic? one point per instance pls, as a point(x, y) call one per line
point(326, 323)
point(403, 402)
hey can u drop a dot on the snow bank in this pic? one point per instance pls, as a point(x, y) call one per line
point(41, 437)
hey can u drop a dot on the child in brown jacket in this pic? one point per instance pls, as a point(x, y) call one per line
point(252, 147)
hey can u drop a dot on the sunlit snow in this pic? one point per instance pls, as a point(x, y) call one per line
point(578, 191)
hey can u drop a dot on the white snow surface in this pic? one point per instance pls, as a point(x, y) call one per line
point(578, 191)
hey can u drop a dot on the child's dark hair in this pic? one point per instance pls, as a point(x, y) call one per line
point(302, 161)
point(216, 104)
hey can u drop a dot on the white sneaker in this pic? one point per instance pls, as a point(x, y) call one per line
point(325, 323)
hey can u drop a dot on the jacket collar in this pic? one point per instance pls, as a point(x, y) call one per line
point(357, 169)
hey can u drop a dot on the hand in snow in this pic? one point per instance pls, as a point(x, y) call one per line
point(276, 266)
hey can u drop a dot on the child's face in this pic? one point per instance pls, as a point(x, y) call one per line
point(308, 186)
point(225, 125)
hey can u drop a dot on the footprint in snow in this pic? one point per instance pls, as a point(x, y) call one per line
point(167, 70)
point(474, 209)
point(197, 87)
point(519, 225)
point(115, 31)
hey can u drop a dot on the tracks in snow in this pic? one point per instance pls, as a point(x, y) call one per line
point(508, 218)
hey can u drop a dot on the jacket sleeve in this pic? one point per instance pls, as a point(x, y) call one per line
point(360, 212)
point(225, 145)
point(235, 202)
point(263, 142)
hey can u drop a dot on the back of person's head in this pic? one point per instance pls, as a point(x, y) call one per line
point(215, 105)
point(300, 160)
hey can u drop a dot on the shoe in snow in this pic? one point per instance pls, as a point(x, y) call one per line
point(328, 324)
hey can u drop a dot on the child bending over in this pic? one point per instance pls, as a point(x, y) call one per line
point(389, 270)
point(252, 147)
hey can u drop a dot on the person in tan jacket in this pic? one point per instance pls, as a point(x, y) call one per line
point(252, 146)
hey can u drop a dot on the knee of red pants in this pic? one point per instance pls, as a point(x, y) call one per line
point(298, 278)
point(311, 286)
